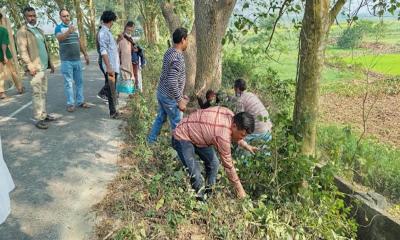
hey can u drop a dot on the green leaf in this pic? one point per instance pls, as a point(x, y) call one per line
point(160, 203)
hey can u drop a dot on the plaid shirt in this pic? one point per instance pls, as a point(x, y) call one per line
point(211, 127)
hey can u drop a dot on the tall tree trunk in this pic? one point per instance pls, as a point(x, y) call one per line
point(14, 11)
point(79, 17)
point(316, 24)
point(151, 29)
point(191, 63)
point(211, 21)
point(92, 20)
point(173, 22)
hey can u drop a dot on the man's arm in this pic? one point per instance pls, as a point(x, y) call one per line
point(23, 51)
point(224, 150)
point(242, 143)
point(104, 54)
point(172, 75)
point(173, 81)
point(62, 36)
point(4, 50)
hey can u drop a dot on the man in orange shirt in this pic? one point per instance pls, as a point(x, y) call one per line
point(204, 129)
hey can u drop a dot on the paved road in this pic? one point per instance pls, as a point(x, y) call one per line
point(61, 172)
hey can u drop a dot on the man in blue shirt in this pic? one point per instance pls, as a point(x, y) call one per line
point(71, 68)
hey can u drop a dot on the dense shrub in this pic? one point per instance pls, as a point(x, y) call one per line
point(234, 67)
point(351, 37)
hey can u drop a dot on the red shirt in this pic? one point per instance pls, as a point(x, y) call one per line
point(211, 127)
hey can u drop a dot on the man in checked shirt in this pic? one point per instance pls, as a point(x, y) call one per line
point(204, 129)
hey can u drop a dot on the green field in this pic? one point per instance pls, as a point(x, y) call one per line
point(386, 64)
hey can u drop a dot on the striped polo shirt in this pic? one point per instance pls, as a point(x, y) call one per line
point(173, 75)
point(69, 48)
point(211, 127)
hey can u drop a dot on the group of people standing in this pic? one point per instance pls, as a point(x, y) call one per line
point(120, 61)
point(209, 128)
point(199, 133)
point(122, 56)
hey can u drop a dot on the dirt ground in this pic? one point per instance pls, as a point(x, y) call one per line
point(383, 121)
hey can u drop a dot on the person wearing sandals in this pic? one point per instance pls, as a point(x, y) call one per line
point(6, 63)
point(35, 56)
point(71, 68)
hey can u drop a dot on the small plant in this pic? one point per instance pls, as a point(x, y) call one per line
point(351, 37)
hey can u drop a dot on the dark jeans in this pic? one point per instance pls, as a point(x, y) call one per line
point(102, 91)
point(110, 91)
point(186, 152)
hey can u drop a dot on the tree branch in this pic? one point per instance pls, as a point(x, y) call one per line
point(170, 16)
point(335, 10)
point(51, 17)
point(281, 11)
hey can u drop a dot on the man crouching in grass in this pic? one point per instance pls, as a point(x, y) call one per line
point(204, 129)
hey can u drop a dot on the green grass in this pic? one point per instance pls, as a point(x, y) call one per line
point(380, 163)
point(387, 64)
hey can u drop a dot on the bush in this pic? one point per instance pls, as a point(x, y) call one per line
point(234, 67)
point(350, 38)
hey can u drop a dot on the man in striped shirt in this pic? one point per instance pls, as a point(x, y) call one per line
point(200, 132)
point(171, 100)
point(71, 68)
point(249, 102)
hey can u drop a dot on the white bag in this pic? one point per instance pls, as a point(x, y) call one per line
point(6, 186)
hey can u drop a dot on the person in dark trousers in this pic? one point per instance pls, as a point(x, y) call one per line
point(102, 93)
point(201, 132)
point(171, 100)
point(110, 58)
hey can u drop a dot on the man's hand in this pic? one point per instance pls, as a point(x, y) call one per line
point(242, 195)
point(182, 105)
point(110, 71)
point(86, 58)
point(71, 29)
point(251, 149)
point(32, 71)
point(5, 61)
point(247, 146)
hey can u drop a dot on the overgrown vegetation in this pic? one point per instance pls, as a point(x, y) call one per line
point(152, 199)
point(379, 163)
